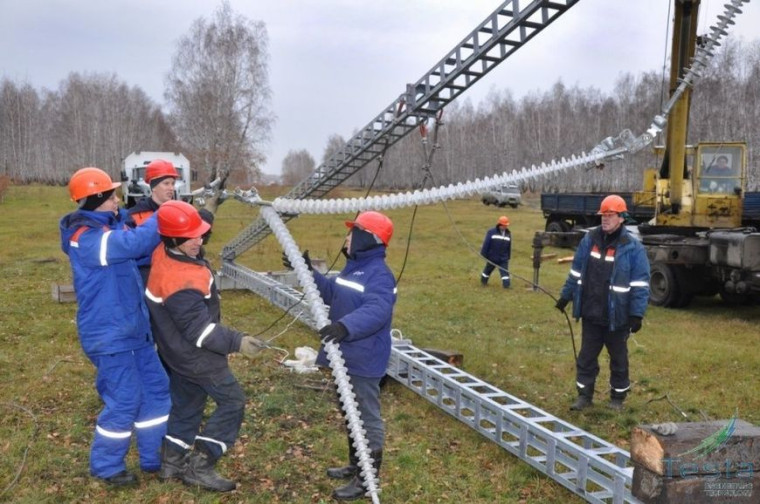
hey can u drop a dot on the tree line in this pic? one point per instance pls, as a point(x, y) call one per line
point(218, 115)
point(503, 133)
point(217, 111)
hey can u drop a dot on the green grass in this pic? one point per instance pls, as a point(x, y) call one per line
point(703, 359)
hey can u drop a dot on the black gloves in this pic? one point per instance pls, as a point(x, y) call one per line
point(306, 258)
point(336, 333)
point(635, 323)
point(561, 303)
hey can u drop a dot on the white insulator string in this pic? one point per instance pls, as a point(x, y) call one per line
point(334, 355)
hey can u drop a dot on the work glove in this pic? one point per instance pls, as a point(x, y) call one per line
point(250, 346)
point(635, 323)
point(561, 303)
point(336, 333)
point(306, 258)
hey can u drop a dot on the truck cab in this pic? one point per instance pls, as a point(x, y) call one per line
point(134, 186)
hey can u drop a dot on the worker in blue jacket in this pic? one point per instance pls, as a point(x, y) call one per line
point(361, 300)
point(113, 326)
point(496, 250)
point(609, 287)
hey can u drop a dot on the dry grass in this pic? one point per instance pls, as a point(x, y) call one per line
point(704, 359)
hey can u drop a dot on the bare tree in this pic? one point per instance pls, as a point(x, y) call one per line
point(219, 96)
point(296, 166)
point(96, 120)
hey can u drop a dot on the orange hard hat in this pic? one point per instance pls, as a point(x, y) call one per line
point(88, 181)
point(612, 204)
point(159, 168)
point(376, 223)
point(503, 221)
point(178, 219)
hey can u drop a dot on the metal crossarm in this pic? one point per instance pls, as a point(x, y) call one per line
point(279, 294)
point(503, 32)
point(586, 465)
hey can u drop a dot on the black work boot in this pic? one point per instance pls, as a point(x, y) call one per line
point(346, 471)
point(173, 460)
point(581, 403)
point(200, 472)
point(124, 478)
point(616, 401)
point(585, 398)
point(355, 488)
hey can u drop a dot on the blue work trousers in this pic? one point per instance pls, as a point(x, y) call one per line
point(367, 391)
point(503, 271)
point(135, 391)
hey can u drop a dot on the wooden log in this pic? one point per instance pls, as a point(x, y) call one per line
point(651, 488)
point(63, 293)
point(690, 451)
point(546, 257)
point(565, 259)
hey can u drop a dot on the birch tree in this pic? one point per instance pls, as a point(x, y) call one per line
point(218, 94)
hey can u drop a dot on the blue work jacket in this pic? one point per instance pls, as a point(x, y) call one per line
point(628, 292)
point(361, 298)
point(112, 316)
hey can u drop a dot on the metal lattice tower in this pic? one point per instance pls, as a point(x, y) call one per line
point(503, 32)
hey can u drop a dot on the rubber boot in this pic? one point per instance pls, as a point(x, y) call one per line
point(616, 401)
point(355, 488)
point(200, 472)
point(346, 471)
point(124, 478)
point(173, 460)
point(584, 400)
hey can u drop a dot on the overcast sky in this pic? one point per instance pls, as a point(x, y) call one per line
point(336, 64)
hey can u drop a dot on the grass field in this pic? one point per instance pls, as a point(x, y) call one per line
point(702, 361)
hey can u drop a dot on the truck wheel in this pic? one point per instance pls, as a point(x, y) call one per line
point(555, 227)
point(485, 202)
point(513, 205)
point(663, 287)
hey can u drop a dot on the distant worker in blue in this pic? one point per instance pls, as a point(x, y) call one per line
point(609, 287)
point(361, 300)
point(113, 325)
point(497, 249)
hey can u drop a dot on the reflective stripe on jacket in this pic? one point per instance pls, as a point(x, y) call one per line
point(361, 297)
point(629, 282)
point(111, 312)
point(497, 247)
point(185, 311)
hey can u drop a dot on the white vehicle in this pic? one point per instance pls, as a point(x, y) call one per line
point(134, 186)
point(502, 196)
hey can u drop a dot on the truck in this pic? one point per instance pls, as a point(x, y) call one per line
point(567, 211)
point(695, 203)
point(134, 186)
point(577, 210)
